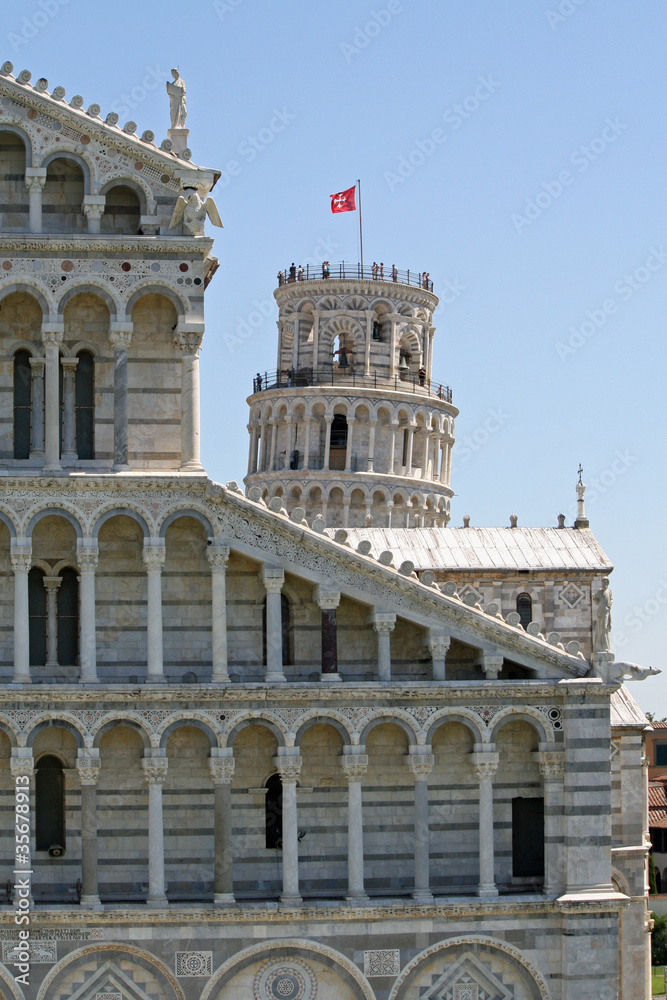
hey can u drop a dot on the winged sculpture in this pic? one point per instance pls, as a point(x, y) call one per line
point(192, 210)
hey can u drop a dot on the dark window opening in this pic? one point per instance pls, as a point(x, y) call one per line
point(404, 453)
point(273, 812)
point(84, 389)
point(22, 403)
point(661, 754)
point(524, 607)
point(37, 617)
point(658, 839)
point(286, 624)
point(528, 838)
point(49, 804)
point(68, 619)
point(338, 442)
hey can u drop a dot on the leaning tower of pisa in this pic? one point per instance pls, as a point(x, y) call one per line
point(353, 423)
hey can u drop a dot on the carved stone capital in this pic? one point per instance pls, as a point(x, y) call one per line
point(551, 763)
point(22, 765)
point(21, 556)
point(34, 180)
point(218, 557)
point(189, 342)
point(155, 770)
point(89, 769)
point(485, 764)
point(52, 583)
point(87, 557)
point(153, 556)
point(354, 766)
point(37, 367)
point(120, 339)
point(382, 622)
point(69, 368)
point(327, 598)
point(273, 579)
point(93, 206)
point(222, 769)
point(439, 646)
point(289, 768)
point(421, 764)
point(53, 336)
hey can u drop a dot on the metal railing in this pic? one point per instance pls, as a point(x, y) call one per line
point(347, 376)
point(344, 269)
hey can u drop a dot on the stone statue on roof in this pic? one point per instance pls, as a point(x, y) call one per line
point(177, 105)
point(192, 210)
point(602, 619)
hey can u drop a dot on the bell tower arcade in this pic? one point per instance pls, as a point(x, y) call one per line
point(353, 424)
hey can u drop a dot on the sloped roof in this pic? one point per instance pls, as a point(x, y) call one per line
point(657, 804)
point(488, 548)
point(625, 711)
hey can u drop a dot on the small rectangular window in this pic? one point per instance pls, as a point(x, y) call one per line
point(528, 838)
point(661, 754)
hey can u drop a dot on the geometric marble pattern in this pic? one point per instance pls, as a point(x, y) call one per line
point(386, 962)
point(194, 963)
point(466, 979)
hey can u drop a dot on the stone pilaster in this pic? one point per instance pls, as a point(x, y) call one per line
point(218, 557)
point(189, 339)
point(120, 337)
point(383, 623)
point(35, 179)
point(289, 768)
point(52, 336)
point(355, 766)
point(485, 761)
point(155, 773)
point(21, 556)
point(222, 771)
point(88, 767)
point(154, 556)
point(87, 554)
point(328, 600)
point(420, 760)
point(37, 396)
point(439, 644)
point(273, 579)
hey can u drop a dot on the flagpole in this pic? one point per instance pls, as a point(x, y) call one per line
point(361, 233)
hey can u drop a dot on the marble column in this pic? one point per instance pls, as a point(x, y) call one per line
point(306, 444)
point(274, 441)
point(392, 449)
point(222, 770)
point(384, 624)
point(348, 450)
point(154, 556)
point(273, 579)
point(87, 555)
point(371, 445)
point(188, 339)
point(218, 557)
point(88, 766)
point(155, 773)
point(346, 512)
point(69, 454)
point(370, 317)
point(485, 761)
point(492, 664)
point(448, 471)
point(262, 446)
point(93, 209)
point(439, 646)
point(552, 768)
point(35, 179)
point(390, 512)
point(252, 449)
point(37, 396)
point(408, 458)
point(354, 767)
point(443, 460)
point(327, 442)
point(120, 337)
point(52, 336)
point(21, 556)
point(420, 760)
point(328, 600)
point(289, 768)
point(51, 585)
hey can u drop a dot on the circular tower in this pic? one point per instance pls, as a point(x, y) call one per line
point(353, 424)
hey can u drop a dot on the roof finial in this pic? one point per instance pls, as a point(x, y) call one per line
point(582, 520)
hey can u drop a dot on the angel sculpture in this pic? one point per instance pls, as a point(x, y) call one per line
point(192, 209)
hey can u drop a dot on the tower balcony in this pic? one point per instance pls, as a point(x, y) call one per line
point(346, 376)
point(346, 271)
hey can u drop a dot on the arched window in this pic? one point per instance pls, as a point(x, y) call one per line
point(524, 607)
point(37, 619)
point(84, 396)
point(13, 194)
point(68, 619)
point(22, 403)
point(49, 804)
point(338, 442)
point(62, 198)
point(286, 623)
point(122, 211)
point(273, 811)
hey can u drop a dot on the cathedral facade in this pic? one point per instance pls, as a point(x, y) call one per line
point(306, 741)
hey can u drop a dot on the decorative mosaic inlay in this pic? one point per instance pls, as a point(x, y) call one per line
point(288, 980)
point(571, 595)
point(194, 963)
point(41, 952)
point(385, 962)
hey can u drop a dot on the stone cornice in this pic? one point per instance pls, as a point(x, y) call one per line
point(320, 287)
point(74, 244)
point(357, 391)
point(469, 907)
point(80, 119)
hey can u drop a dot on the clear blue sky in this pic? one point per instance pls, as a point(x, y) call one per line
point(541, 204)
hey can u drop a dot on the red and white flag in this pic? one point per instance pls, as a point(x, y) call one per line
point(343, 201)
